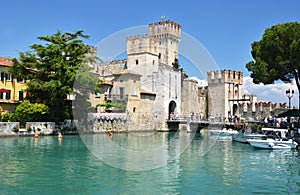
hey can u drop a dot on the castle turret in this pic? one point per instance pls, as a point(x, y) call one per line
point(159, 46)
point(225, 92)
point(168, 34)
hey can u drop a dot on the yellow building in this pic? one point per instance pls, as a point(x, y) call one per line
point(12, 91)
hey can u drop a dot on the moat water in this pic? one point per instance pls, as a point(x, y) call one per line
point(48, 165)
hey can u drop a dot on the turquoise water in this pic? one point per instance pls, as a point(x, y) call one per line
point(51, 166)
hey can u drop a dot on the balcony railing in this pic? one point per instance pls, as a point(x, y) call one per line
point(116, 97)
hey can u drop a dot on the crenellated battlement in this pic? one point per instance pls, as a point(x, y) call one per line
point(225, 76)
point(112, 67)
point(165, 28)
point(260, 109)
point(142, 43)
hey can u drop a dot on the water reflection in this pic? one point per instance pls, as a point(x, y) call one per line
point(67, 167)
point(138, 151)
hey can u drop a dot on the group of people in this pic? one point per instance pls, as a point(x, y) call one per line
point(197, 116)
point(173, 116)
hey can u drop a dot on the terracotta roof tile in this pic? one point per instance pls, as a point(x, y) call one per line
point(5, 61)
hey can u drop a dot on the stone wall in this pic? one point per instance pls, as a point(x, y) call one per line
point(12, 128)
point(259, 110)
point(107, 122)
point(42, 128)
point(190, 97)
point(9, 128)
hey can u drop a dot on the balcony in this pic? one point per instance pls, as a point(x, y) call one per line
point(116, 97)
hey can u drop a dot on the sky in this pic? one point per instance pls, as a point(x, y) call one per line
point(226, 28)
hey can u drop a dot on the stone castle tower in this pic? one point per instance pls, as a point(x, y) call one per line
point(224, 92)
point(151, 56)
point(160, 47)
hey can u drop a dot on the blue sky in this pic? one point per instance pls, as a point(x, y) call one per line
point(225, 28)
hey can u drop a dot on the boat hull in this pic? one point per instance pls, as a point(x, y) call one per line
point(223, 132)
point(243, 137)
point(273, 144)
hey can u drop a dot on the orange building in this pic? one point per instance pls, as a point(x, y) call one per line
point(12, 91)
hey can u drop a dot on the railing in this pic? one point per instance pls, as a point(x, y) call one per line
point(115, 97)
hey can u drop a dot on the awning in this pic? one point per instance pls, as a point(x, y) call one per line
point(2, 90)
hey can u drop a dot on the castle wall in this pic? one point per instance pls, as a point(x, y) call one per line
point(202, 100)
point(252, 111)
point(168, 89)
point(109, 68)
point(190, 99)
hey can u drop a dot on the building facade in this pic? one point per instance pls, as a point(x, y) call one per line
point(12, 91)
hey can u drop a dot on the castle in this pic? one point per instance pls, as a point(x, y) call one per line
point(153, 90)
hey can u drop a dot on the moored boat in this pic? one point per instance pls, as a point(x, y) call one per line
point(273, 144)
point(223, 132)
point(244, 136)
point(276, 139)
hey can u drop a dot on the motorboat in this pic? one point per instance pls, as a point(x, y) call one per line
point(223, 132)
point(276, 139)
point(273, 144)
point(244, 136)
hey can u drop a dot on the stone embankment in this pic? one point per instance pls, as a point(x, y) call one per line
point(40, 128)
point(13, 128)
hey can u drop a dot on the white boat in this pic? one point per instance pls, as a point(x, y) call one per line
point(223, 132)
point(244, 136)
point(279, 140)
point(273, 144)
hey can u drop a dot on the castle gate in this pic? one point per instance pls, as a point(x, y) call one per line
point(172, 107)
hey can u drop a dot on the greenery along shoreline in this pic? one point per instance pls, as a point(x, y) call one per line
point(50, 70)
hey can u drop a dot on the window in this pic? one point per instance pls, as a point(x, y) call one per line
point(8, 77)
point(22, 80)
point(7, 95)
point(21, 95)
point(153, 62)
point(137, 62)
point(121, 92)
point(134, 108)
point(159, 55)
point(2, 76)
point(1, 95)
point(134, 92)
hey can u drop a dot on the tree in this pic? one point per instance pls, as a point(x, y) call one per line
point(51, 69)
point(277, 55)
point(28, 112)
point(176, 64)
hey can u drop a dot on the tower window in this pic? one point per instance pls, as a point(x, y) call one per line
point(159, 55)
point(137, 62)
point(153, 62)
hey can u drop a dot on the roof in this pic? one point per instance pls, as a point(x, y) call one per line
point(126, 71)
point(147, 92)
point(5, 61)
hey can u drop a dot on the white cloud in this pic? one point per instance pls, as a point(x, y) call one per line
point(275, 93)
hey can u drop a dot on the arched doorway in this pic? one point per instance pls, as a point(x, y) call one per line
point(172, 107)
point(235, 110)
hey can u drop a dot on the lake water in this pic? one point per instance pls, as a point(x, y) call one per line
point(74, 165)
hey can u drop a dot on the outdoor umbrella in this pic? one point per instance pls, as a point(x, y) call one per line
point(290, 113)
